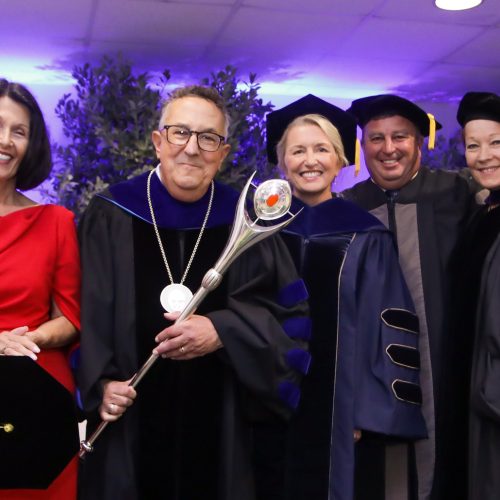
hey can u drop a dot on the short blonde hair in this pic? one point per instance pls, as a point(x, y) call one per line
point(325, 125)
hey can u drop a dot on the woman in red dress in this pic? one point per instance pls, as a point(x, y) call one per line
point(39, 261)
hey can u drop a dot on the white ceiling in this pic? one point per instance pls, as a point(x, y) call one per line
point(334, 48)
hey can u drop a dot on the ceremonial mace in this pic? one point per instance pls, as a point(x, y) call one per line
point(272, 200)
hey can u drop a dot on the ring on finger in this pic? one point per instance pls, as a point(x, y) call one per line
point(182, 349)
point(112, 407)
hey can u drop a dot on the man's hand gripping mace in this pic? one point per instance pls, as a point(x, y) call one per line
point(272, 200)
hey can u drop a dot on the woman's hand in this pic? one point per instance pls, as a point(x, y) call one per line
point(116, 398)
point(16, 343)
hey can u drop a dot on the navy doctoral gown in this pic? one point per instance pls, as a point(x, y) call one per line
point(427, 215)
point(364, 368)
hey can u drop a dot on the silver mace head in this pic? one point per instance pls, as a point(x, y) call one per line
point(272, 201)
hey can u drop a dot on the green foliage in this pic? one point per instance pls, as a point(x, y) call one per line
point(247, 130)
point(108, 125)
point(447, 155)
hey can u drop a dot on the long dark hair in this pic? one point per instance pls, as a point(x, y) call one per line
point(37, 162)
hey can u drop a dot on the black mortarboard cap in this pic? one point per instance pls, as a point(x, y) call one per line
point(478, 106)
point(278, 121)
point(368, 108)
point(38, 425)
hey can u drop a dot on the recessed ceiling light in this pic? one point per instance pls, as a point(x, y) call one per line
point(457, 4)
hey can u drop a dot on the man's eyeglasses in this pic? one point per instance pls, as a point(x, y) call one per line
point(207, 141)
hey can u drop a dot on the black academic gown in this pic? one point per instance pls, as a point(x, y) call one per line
point(429, 213)
point(364, 367)
point(479, 284)
point(190, 433)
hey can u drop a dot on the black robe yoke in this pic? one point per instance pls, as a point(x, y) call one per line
point(364, 367)
point(429, 212)
point(193, 421)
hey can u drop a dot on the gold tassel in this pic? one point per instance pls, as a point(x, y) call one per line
point(432, 131)
point(357, 158)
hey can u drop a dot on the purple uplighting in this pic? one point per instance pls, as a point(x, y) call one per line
point(338, 50)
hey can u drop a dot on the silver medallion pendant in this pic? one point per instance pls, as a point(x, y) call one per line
point(175, 297)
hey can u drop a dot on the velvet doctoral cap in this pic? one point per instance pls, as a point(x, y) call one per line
point(369, 108)
point(278, 121)
point(478, 106)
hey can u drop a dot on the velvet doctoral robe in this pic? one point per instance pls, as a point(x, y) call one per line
point(478, 326)
point(427, 215)
point(190, 433)
point(364, 357)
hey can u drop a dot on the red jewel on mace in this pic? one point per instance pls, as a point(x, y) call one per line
point(271, 200)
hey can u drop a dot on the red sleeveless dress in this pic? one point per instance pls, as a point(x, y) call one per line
point(39, 262)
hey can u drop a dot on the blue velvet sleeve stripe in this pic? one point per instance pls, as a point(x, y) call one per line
point(74, 359)
point(289, 394)
point(293, 293)
point(299, 360)
point(78, 398)
point(298, 328)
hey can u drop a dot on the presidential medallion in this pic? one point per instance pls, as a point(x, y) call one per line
point(175, 297)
